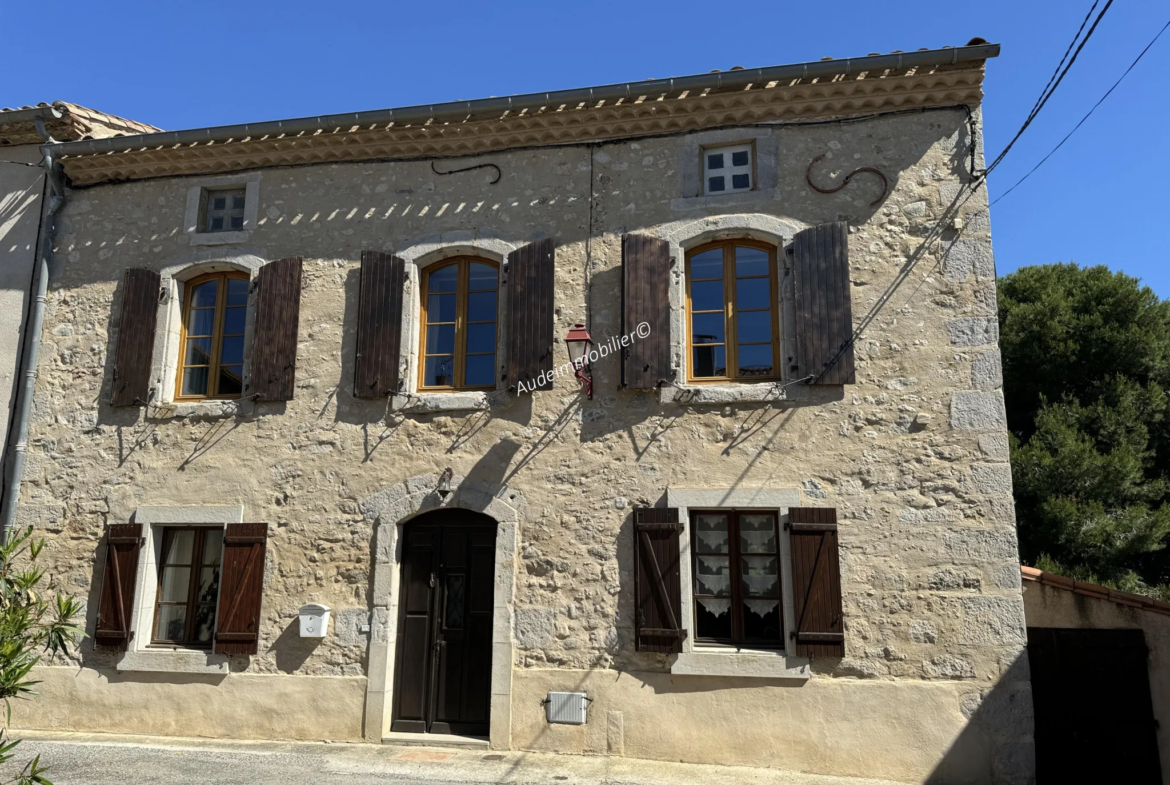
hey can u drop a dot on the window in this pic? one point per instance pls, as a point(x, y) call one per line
point(211, 350)
point(728, 169)
point(737, 577)
point(731, 312)
point(188, 586)
point(224, 211)
point(459, 306)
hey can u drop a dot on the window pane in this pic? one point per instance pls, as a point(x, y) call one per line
point(707, 328)
point(238, 220)
point(237, 291)
point(195, 381)
point(174, 585)
point(204, 623)
point(212, 546)
point(481, 338)
point(740, 181)
point(711, 534)
point(441, 339)
point(755, 360)
point(739, 158)
point(441, 308)
point(233, 321)
point(180, 546)
point(198, 351)
point(754, 326)
point(757, 533)
point(171, 621)
point(713, 575)
point(203, 296)
point(750, 261)
point(760, 576)
point(439, 372)
point(761, 620)
point(231, 380)
point(714, 161)
point(713, 618)
point(219, 203)
point(444, 279)
point(715, 184)
point(708, 264)
point(481, 307)
point(200, 321)
point(752, 293)
point(217, 223)
point(208, 585)
point(238, 201)
point(709, 361)
point(707, 295)
point(481, 276)
point(231, 351)
point(480, 370)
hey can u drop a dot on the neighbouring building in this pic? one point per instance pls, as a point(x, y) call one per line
point(313, 372)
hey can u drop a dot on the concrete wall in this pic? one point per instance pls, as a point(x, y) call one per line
point(914, 456)
point(1048, 606)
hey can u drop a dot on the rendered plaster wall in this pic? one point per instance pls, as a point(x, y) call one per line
point(914, 456)
point(1046, 606)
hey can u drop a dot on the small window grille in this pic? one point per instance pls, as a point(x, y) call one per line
point(727, 169)
point(224, 211)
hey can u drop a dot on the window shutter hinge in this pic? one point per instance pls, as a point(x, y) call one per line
point(162, 294)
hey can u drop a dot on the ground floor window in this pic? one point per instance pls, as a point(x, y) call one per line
point(737, 577)
point(188, 586)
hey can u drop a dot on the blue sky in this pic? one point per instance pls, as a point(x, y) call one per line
point(1097, 201)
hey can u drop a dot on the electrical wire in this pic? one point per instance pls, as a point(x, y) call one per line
point(1059, 65)
point(1086, 117)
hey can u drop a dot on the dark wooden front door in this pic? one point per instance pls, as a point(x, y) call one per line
point(1094, 715)
point(442, 680)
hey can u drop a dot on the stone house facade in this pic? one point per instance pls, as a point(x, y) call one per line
point(293, 364)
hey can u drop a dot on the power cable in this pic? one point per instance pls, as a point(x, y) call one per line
point(1059, 65)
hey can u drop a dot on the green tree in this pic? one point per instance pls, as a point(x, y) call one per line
point(31, 624)
point(1086, 361)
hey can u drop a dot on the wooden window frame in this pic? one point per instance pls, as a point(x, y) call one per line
point(461, 294)
point(730, 313)
point(704, 149)
point(206, 212)
point(196, 567)
point(737, 639)
point(217, 336)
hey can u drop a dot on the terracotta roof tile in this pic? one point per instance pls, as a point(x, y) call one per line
point(1095, 591)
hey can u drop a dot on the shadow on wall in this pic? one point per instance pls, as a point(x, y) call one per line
point(291, 651)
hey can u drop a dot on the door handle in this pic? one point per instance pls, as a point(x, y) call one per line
point(432, 580)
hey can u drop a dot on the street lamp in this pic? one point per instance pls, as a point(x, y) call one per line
point(578, 342)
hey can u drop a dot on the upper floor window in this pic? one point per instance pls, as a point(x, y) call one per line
point(727, 169)
point(188, 586)
point(211, 352)
point(459, 311)
point(224, 211)
point(731, 312)
point(737, 577)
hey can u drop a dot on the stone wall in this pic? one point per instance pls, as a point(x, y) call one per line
point(914, 456)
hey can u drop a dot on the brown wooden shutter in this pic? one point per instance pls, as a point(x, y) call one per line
point(140, 295)
point(816, 582)
point(274, 337)
point(379, 330)
point(646, 298)
point(237, 627)
point(530, 314)
point(119, 579)
point(824, 312)
point(657, 580)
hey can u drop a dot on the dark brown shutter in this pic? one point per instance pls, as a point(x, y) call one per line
point(646, 298)
point(379, 329)
point(824, 312)
point(119, 578)
point(274, 341)
point(237, 627)
point(657, 580)
point(530, 314)
point(816, 582)
point(140, 294)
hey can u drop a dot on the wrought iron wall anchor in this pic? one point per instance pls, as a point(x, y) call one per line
point(470, 169)
point(845, 182)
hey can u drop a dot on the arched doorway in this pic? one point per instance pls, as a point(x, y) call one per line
point(443, 662)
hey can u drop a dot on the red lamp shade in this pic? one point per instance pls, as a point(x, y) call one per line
point(578, 342)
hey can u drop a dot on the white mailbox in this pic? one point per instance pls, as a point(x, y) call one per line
point(314, 620)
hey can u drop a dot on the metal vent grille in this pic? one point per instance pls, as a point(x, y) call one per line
point(566, 707)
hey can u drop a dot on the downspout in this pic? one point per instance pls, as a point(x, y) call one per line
point(51, 200)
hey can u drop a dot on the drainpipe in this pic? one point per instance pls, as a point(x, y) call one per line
point(52, 197)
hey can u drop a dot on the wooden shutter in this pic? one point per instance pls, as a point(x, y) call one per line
point(119, 578)
point(274, 337)
point(237, 627)
point(646, 298)
point(816, 582)
point(657, 580)
point(530, 314)
point(824, 312)
point(379, 330)
point(140, 295)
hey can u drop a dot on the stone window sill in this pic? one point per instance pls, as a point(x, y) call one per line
point(427, 403)
point(219, 238)
point(173, 661)
point(709, 394)
point(722, 200)
point(199, 409)
point(741, 663)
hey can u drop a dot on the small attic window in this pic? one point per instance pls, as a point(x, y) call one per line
point(224, 211)
point(728, 169)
